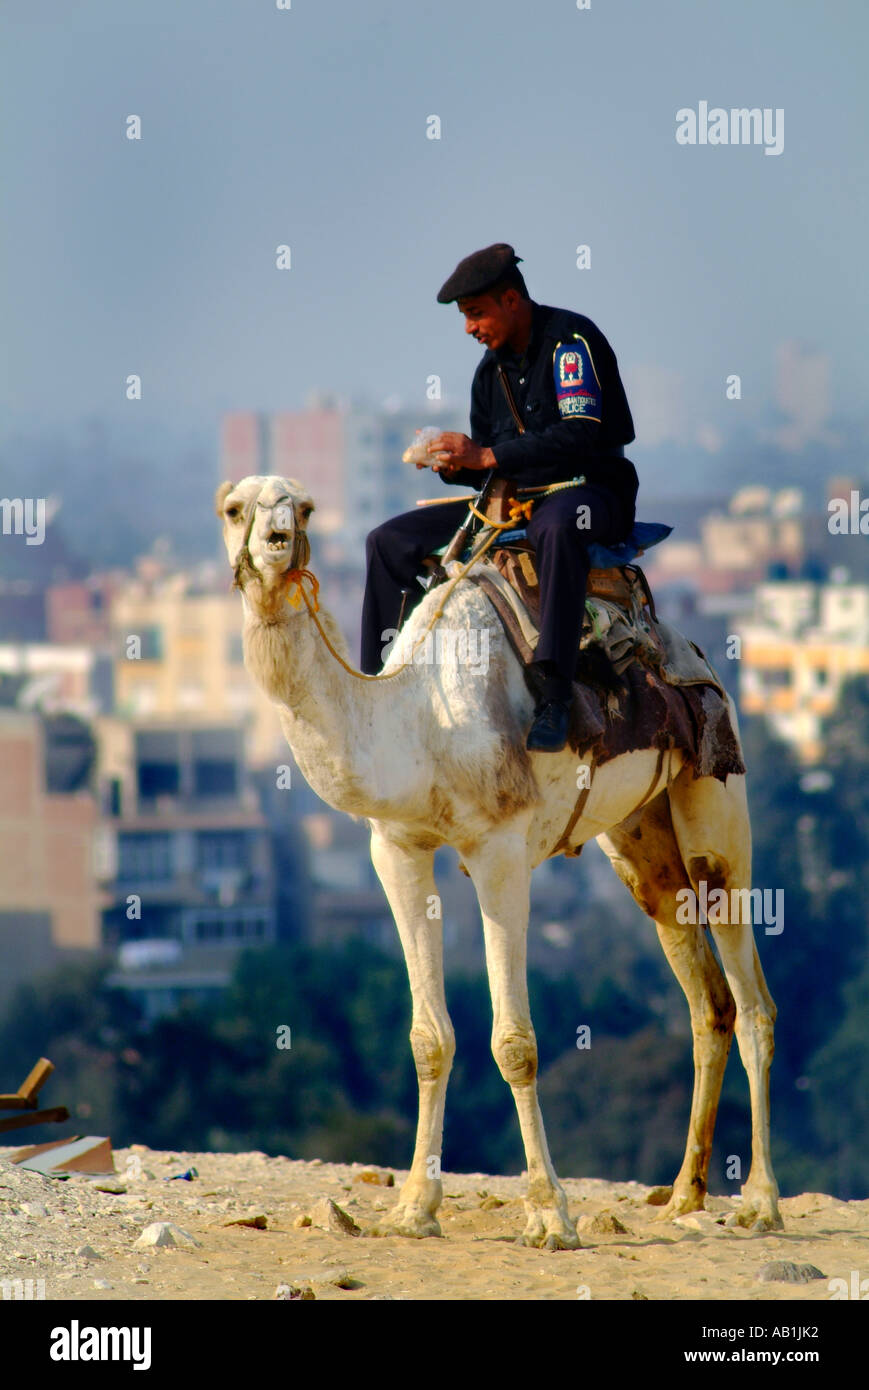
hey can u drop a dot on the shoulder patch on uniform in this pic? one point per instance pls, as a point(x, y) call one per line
point(577, 388)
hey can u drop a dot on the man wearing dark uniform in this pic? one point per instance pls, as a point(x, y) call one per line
point(564, 381)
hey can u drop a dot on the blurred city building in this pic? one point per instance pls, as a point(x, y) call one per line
point(731, 547)
point(79, 612)
point(48, 823)
point(49, 675)
point(799, 645)
point(177, 652)
point(185, 855)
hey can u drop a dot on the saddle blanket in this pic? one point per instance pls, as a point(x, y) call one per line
point(641, 684)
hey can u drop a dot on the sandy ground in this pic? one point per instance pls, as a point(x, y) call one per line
point(46, 1225)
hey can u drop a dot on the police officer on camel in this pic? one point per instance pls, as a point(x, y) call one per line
point(547, 406)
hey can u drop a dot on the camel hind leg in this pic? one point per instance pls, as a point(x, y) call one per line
point(645, 856)
point(710, 820)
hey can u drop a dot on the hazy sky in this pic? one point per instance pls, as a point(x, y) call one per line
point(308, 127)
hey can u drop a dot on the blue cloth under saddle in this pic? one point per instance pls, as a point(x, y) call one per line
point(604, 557)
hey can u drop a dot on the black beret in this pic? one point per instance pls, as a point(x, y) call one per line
point(478, 271)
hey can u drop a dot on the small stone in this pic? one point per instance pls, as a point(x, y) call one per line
point(291, 1293)
point(785, 1272)
point(117, 1189)
point(639, 1297)
point(377, 1177)
point(341, 1279)
point(302, 1221)
point(87, 1252)
point(34, 1209)
point(328, 1216)
point(604, 1224)
point(165, 1233)
point(659, 1196)
point(491, 1204)
point(259, 1223)
point(705, 1221)
point(102, 1284)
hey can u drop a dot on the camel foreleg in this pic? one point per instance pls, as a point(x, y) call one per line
point(501, 875)
point(407, 876)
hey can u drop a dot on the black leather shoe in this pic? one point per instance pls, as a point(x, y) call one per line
point(548, 733)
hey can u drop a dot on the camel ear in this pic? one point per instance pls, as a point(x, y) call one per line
point(221, 495)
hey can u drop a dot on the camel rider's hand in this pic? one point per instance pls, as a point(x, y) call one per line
point(454, 451)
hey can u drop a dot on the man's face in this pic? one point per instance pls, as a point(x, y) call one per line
point(488, 319)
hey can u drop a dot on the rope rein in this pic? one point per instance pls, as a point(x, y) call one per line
point(296, 581)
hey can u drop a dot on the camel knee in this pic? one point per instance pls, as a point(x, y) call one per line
point(715, 1018)
point(433, 1052)
point(515, 1051)
point(723, 1016)
point(756, 1027)
point(718, 1014)
point(710, 869)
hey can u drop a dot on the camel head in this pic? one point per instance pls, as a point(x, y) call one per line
point(265, 523)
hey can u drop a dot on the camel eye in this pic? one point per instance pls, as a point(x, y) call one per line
point(233, 512)
point(306, 512)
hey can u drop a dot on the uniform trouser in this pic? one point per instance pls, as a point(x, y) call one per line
point(560, 536)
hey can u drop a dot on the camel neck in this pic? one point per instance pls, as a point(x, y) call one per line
point(331, 718)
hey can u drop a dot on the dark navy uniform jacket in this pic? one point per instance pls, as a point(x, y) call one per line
point(569, 394)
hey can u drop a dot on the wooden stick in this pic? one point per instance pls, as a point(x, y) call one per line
point(441, 501)
point(35, 1117)
point(37, 1079)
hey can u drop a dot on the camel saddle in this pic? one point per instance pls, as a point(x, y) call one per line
point(620, 617)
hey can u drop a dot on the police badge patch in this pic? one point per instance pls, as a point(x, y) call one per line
point(577, 388)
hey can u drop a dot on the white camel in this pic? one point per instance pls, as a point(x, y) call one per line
point(435, 756)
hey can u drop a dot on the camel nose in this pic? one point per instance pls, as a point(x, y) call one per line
point(283, 517)
point(275, 510)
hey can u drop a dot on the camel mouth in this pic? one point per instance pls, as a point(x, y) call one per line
point(276, 542)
